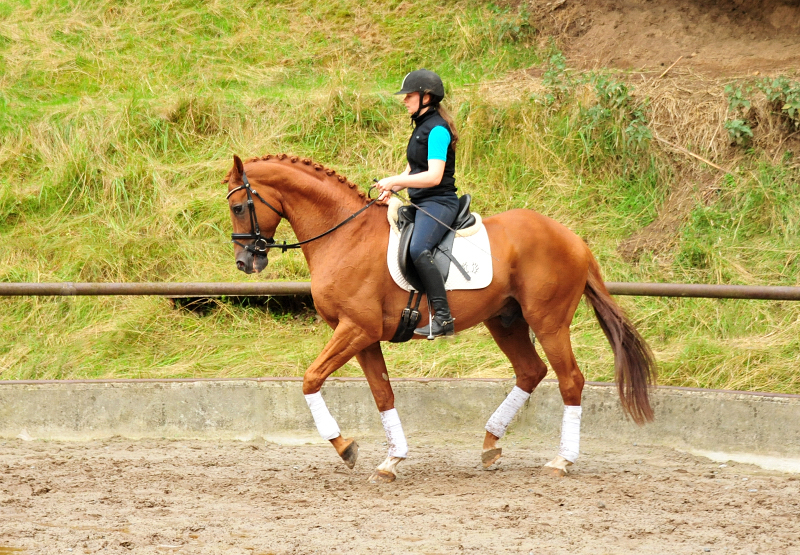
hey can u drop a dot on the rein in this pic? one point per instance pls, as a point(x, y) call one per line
point(421, 209)
point(262, 244)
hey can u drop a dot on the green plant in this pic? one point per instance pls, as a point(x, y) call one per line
point(784, 96)
point(617, 123)
point(510, 26)
point(612, 94)
point(557, 80)
point(775, 89)
point(740, 127)
point(638, 134)
point(739, 131)
point(737, 101)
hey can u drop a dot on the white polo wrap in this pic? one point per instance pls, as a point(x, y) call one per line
point(398, 447)
point(570, 433)
point(326, 425)
point(499, 421)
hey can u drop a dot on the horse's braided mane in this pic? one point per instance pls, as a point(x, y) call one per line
point(331, 173)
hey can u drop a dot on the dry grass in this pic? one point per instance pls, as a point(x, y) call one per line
point(688, 109)
point(123, 119)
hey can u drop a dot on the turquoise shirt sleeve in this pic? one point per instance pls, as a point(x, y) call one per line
point(438, 141)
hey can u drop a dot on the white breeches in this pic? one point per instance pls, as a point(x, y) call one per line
point(499, 421)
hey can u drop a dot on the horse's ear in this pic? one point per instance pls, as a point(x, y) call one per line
point(238, 166)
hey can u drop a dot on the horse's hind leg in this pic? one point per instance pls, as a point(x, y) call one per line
point(558, 348)
point(374, 367)
point(515, 342)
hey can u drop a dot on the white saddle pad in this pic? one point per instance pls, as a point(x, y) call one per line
point(473, 252)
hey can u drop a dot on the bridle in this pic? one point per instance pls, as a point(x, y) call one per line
point(261, 244)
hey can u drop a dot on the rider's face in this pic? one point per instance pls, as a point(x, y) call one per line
point(411, 100)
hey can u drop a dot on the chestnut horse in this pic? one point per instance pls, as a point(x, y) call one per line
point(541, 271)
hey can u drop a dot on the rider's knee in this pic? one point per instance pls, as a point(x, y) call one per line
point(416, 250)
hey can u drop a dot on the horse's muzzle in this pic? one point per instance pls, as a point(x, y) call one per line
point(250, 264)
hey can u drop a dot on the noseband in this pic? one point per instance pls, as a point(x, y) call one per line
point(261, 244)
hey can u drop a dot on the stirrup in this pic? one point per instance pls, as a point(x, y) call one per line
point(436, 328)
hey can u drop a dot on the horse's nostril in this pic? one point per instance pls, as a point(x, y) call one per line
point(240, 266)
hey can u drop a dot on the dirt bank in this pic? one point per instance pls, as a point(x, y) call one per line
point(716, 37)
point(123, 496)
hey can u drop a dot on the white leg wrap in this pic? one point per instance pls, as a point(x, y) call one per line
point(570, 433)
point(326, 425)
point(398, 447)
point(499, 421)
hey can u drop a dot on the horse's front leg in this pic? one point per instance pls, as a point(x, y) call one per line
point(347, 340)
point(374, 367)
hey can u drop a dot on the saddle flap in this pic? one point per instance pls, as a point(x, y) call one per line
point(405, 226)
point(471, 249)
point(464, 216)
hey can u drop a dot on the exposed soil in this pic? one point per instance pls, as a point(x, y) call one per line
point(159, 496)
point(718, 37)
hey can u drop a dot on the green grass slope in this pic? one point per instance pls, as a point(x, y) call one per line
point(118, 120)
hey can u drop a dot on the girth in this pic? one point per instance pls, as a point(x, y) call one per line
point(442, 254)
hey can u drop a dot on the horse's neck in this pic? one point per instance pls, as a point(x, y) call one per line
point(313, 204)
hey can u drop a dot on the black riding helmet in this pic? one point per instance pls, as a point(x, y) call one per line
point(423, 81)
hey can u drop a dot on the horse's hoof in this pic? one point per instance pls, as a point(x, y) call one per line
point(350, 453)
point(491, 456)
point(551, 472)
point(382, 477)
point(557, 468)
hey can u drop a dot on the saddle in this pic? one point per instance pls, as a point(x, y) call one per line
point(443, 253)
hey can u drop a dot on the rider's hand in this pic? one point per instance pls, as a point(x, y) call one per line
point(385, 186)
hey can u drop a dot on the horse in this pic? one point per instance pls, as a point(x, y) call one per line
point(541, 271)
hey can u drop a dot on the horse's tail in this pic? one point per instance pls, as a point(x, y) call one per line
point(634, 363)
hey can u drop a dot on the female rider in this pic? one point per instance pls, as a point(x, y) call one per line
point(430, 179)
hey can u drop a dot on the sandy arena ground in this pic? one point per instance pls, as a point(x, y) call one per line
point(159, 496)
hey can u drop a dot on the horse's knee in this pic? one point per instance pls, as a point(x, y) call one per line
point(527, 381)
point(312, 383)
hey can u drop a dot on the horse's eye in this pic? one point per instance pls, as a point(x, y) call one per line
point(238, 209)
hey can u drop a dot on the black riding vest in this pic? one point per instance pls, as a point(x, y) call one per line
point(417, 154)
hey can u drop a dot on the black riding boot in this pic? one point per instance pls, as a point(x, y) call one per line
point(431, 278)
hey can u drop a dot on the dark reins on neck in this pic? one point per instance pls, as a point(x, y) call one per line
point(261, 244)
